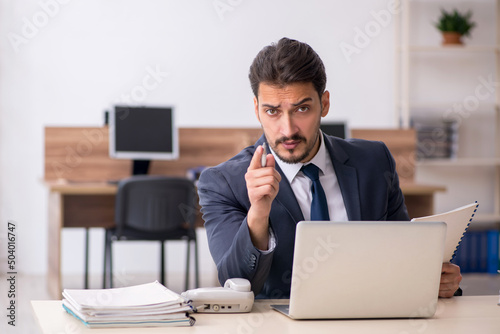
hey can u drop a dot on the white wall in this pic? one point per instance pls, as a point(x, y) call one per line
point(69, 66)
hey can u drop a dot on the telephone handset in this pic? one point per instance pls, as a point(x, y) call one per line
point(235, 297)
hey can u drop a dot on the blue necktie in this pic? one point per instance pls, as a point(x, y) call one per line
point(319, 205)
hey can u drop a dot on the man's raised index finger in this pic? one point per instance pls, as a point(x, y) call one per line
point(257, 158)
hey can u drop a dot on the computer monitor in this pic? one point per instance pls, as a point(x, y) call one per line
point(143, 134)
point(337, 129)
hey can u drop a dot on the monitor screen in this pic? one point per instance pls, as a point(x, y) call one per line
point(337, 129)
point(143, 133)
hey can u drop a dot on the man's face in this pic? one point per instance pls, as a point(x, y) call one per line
point(290, 117)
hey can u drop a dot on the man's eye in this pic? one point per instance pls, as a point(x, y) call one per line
point(271, 112)
point(302, 109)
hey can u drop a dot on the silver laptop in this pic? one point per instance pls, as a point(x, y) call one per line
point(365, 270)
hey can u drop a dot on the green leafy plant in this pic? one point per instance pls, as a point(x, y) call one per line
point(455, 22)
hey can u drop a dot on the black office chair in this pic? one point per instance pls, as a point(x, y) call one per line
point(153, 208)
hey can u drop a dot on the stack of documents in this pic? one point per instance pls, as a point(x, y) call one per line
point(145, 305)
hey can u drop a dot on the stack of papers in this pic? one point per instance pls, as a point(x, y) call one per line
point(145, 305)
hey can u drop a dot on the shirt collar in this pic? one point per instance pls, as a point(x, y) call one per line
point(291, 170)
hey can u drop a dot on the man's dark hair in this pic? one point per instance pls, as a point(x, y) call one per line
point(288, 61)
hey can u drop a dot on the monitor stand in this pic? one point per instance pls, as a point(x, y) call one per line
point(140, 167)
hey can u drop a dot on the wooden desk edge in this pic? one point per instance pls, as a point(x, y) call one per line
point(264, 305)
point(420, 189)
point(97, 187)
point(81, 188)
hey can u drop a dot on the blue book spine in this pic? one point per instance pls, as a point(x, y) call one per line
point(483, 251)
point(493, 258)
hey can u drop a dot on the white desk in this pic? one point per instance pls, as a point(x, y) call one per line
point(468, 314)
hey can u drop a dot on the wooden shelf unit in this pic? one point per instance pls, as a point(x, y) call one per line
point(407, 107)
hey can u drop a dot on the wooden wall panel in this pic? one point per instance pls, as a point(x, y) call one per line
point(82, 154)
point(401, 143)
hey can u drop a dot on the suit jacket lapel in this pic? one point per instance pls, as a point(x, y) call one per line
point(287, 199)
point(347, 178)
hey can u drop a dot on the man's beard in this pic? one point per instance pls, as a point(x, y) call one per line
point(296, 137)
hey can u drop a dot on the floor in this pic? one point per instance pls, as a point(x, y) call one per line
point(34, 288)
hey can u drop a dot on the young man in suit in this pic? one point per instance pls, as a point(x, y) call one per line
point(252, 203)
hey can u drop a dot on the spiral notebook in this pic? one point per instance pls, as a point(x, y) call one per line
point(457, 222)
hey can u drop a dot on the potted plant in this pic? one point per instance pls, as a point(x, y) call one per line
point(453, 25)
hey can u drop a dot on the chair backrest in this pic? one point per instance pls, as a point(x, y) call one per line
point(155, 203)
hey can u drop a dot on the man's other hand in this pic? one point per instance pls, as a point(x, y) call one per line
point(450, 280)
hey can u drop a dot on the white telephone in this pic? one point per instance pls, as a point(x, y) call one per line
point(234, 297)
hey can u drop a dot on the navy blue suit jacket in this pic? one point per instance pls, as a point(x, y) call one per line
point(367, 176)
